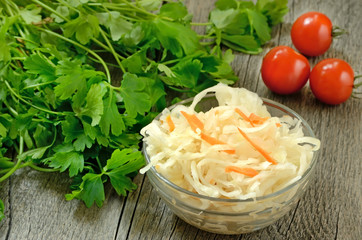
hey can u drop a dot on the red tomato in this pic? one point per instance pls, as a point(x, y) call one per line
point(284, 71)
point(312, 33)
point(331, 81)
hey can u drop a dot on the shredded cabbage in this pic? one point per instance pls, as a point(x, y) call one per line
point(187, 160)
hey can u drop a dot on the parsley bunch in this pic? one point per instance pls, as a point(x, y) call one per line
point(60, 108)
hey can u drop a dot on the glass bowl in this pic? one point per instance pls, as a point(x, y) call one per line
point(232, 216)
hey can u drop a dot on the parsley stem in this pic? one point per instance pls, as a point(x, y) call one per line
point(18, 58)
point(50, 9)
point(179, 59)
point(13, 169)
point(37, 85)
point(12, 14)
point(200, 24)
point(180, 90)
point(29, 103)
point(11, 109)
point(41, 169)
point(33, 166)
point(42, 120)
point(99, 164)
point(206, 43)
point(105, 47)
point(113, 87)
point(141, 10)
point(68, 5)
point(90, 165)
point(108, 63)
point(82, 47)
point(4, 170)
point(112, 50)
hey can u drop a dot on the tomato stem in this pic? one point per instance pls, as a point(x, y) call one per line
point(356, 94)
point(358, 84)
point(337, 31)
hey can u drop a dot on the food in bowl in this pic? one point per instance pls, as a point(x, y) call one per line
point(234, 163)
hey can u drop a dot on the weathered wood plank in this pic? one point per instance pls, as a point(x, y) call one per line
point(40, 211)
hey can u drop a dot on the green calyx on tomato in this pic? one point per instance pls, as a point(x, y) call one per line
point(284, 71)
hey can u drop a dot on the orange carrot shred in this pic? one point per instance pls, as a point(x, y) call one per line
point(194, 122)
point(257, 119)
point(278, 124)
point(238, 111)
point(210, 140)
point(229, 151)
point(250, 172)
point(170, 123)
point(257, 148)
point(214, 141)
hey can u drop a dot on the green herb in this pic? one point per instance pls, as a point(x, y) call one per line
point(1, 210)
point(62, 111)
point(243, 25)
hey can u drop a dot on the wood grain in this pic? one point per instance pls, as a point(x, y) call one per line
point(330, 209)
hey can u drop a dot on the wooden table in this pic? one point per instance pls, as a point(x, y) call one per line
point(330, 209)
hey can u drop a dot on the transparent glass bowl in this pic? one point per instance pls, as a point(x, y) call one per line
point(232, 216)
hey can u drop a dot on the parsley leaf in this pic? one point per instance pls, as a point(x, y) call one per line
point(242, 43)
point(95, 133)
point(174, 10)
point(116, 24)
point(94, 103)
point(35, 64)
point(243, 25)
point(90, 190)
point(176, 37)
point(122, 163)
point(5, 123)
point(274, 10)
point(36, 153)
point(72, 79)
point(68, 159)
point(150, 5)
point(5, 162)
point(31, 14)
point(3, 130)
point(226, 4)
point(71, 128)
point(135, 62)
point(259, 22)
point(111, 120)
point(186, 73)
point(135, 99)
point(84, 27)
point(4, 46)
point(68, 85)
point(82, 142)
point(4, 51)
point(62, 10)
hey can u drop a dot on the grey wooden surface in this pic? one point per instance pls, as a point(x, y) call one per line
point(330, 209)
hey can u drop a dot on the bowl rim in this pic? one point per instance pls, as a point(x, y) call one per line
point(266, 101)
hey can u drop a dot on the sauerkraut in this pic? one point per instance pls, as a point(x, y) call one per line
point(234, 150)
